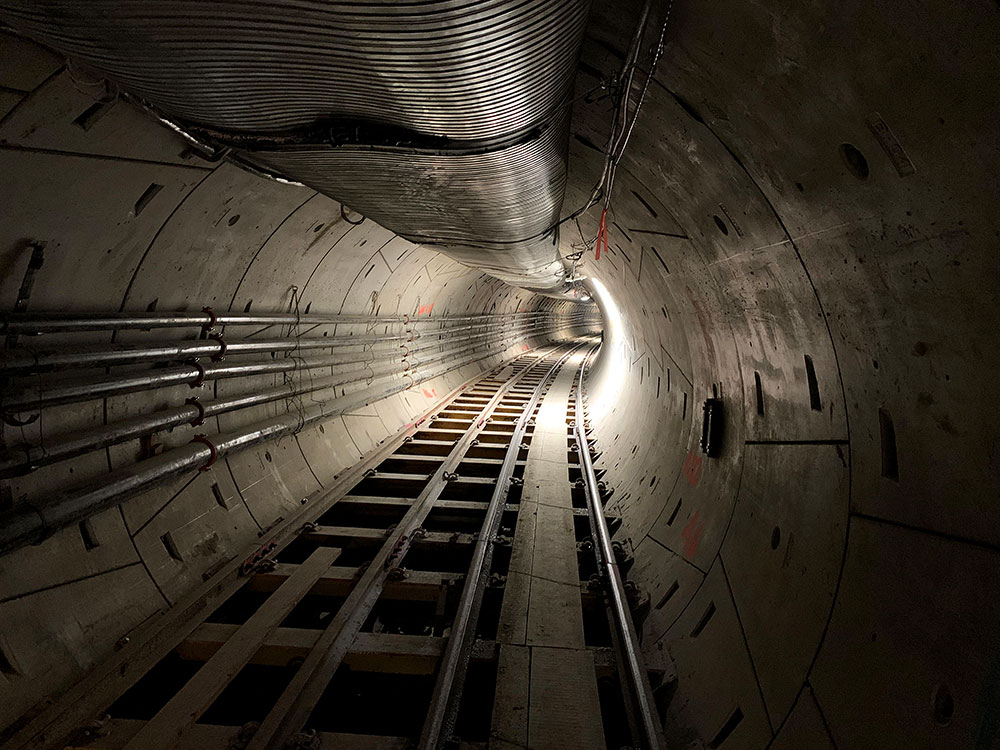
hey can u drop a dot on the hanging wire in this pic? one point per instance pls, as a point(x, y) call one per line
point(623, 122)
point(298, 373)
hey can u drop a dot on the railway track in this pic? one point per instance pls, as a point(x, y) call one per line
point(395, 614)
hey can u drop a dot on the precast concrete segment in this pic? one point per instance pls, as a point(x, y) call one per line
point(448, 691)
point(547, 694)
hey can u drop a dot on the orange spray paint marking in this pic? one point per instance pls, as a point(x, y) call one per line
point(692, 468)
point(430, 392)
point(425, 309)
point(692, 536)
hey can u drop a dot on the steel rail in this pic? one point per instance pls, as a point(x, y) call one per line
point(449, 685)
point(31, 522)
point(634, 669)
point(293, 708)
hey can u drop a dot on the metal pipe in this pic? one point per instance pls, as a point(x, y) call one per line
point(85, 389)
point(638, 677)
point(31, 522)
point(18, 460)
point(28, 359)
point(58, 322)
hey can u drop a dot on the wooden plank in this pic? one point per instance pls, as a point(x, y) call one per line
point(437, 538)
point(374, 500)
point(452, 424)
point(166, 728)
point(547, 695)
point(477, 505)
point(418, 585)
point(370, 652)
point(359, 501)
point(486, 436)
point(425, 447)
point(555, 615)
point(514, 608)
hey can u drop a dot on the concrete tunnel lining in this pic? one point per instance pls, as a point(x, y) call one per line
point(797, 582)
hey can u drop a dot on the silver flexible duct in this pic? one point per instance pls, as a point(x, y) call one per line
point(444, 121)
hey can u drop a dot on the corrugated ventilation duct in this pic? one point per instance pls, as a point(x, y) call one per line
point(446, 122)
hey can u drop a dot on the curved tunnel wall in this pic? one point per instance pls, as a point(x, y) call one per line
point(826, 580)
point(804, 585)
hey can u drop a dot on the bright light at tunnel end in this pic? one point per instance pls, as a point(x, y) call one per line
point(608, 369)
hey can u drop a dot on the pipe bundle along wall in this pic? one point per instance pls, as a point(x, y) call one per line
point(445, 122)
point(385, 371)
point(34, 396)
point(31, 522)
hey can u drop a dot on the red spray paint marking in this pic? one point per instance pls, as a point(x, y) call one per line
point(425, 309)
point(430, 392)
point(692, 468)
point(692, 536)
point(602, 235)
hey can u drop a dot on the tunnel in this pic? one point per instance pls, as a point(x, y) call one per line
point(490, 374)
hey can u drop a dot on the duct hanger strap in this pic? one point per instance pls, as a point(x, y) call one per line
point(370, 134)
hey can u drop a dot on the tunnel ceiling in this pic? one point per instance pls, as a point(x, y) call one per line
point(800, 228)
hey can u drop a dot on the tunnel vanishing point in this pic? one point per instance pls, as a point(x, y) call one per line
point(499, 374)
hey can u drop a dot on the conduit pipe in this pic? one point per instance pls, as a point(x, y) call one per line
point(56, 322)
point(18, 460)
point(31, 522)
point(86, 389)
point(29, 359)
